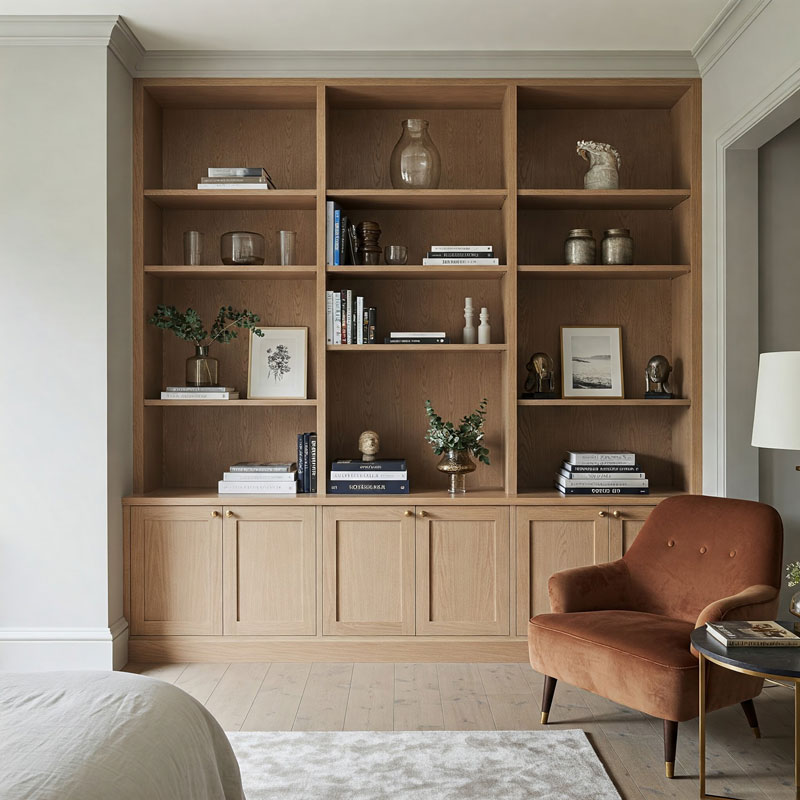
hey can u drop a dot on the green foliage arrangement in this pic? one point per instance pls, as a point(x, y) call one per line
point(444, 436)
point(187, 324)
point(793, 573)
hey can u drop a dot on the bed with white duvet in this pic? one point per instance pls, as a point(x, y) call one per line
point(109, 736)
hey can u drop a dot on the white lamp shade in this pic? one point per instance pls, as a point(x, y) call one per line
point(776, 423)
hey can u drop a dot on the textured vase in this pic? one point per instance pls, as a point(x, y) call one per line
point(457, 464)
point(415, 161)
point(201, 368)
point(794, 604)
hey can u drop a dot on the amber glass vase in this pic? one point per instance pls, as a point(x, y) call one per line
point(201, 368)
point(415, 161)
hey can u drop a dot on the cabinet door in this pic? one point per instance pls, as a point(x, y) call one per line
point(550, 539)
point(368, 571)
point(269, 573)
point(176, 570)
point(625, 523)
point(462, 570)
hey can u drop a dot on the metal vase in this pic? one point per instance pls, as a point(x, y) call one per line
point(457, 464)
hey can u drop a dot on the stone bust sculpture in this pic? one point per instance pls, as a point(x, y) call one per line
point(369, 443)
point(541, 374)
point(657, 377)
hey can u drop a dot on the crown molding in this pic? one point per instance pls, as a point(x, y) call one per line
point(125, 46)
point(30, 30)
point(419, 63)
point(727, 27)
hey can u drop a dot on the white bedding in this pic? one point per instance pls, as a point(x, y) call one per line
point(109, 736)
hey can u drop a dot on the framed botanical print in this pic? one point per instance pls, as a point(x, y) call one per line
point(591, 361)
point(278, 364)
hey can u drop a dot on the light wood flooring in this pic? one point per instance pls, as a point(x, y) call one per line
point(322, 697)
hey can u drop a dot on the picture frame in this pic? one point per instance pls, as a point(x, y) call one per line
point(277, 366)
point(591, 361)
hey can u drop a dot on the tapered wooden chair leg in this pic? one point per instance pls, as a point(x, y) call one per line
point(670, 745)
point(752, 720)
point(547, 697)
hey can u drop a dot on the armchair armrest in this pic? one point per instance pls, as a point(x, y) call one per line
point(754, 602)
point(595, 588)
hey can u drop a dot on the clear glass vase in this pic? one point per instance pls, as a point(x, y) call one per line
point(201, 368)
point(415, 161)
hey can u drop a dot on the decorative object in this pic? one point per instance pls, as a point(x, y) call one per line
point(308, 765)
point(456, 443)
point(591, 361)
point(617, 246)
point(192, 248)
point(604, 163)
point(792, 579)
point(288, 241)
point(369, 445)
point(277, 363)
point(395, 254)
point(484, 329)
point(470, 335)
point(657, 379)
point(242, 248)
point(202, 369)
point(541, 381)
point(580, 247)
point(369, 251)
point(776, 422)
point(415, 162)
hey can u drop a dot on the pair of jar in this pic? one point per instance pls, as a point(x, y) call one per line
point(581, 247)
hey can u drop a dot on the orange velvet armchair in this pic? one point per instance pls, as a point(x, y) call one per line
point(621, 630)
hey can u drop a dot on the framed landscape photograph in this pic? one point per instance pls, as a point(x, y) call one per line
point(278, 364)
point(591, 361)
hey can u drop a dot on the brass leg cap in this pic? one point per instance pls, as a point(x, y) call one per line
point(670, 768)
point(757, 732)
point(545, 715)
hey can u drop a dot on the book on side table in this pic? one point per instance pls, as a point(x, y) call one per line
point(764, 633)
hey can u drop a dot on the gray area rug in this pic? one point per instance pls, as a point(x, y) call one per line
point(468, 765)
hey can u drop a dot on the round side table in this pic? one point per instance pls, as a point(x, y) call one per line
point(780, 663)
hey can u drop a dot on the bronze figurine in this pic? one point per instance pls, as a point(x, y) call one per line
point(657, 379)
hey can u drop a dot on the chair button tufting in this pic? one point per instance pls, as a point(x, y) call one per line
point(732, 553)
point(702, 550)
point(671, 543)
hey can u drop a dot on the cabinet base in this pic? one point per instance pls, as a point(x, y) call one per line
point(173, 649)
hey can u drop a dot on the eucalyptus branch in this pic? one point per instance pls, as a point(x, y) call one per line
point(468, 435)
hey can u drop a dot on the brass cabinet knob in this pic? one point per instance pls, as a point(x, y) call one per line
point(616, 514)
point(229, 513)
point(408, 513)
point(422, 514)
point(215, 513)
point(601, 513)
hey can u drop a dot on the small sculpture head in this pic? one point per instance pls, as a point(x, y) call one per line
point(658, 369)
point(369, 443)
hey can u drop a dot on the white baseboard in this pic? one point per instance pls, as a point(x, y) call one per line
point(46, 649)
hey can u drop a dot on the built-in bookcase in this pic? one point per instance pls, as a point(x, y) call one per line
point(510, 178)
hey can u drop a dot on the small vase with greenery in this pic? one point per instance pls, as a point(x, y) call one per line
point(792, 579)
point(202, 369)
point(455, 443)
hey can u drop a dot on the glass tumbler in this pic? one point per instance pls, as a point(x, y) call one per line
point(288, 248)
point(192, 248)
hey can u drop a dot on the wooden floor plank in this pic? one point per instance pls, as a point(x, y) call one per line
point(275, 705)
point(465, 706)
point(370, 706)
point(169, 673)
point(231, 700)
point(417, 701)
point(324, 703)
point(200, 679)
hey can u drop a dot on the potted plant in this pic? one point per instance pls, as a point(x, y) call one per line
point(456, 443)
point(202, 369)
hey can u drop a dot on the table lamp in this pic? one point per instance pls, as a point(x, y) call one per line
point(776, 422)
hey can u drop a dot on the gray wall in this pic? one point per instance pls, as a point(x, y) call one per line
point(779, 311)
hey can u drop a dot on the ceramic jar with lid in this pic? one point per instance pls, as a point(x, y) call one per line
point(580, 247)
point(617, 246)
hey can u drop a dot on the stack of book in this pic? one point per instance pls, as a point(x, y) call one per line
point(759, 633)
point(236, 178)
point(307, 463)
point(256, 477)
point(479, 255)
point(417, 337)
point(200, 393)
point(348, 320)
point(601, 473)
point(383, 476)
point(340, 236)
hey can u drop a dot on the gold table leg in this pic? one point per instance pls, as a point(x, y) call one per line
point(796, 741)
point(702, 723)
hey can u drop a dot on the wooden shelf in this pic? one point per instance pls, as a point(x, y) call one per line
point(603, 272)
point(223, 272)
point(436, 272)
point(421, 199)
point(234, 199)
point(608, 199)
point(416, 348)
point(234, 403)
point(605, 401)
point(550, 495)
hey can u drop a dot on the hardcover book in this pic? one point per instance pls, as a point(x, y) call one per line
point(199, 395)
point(619, 468)
point(264, 466)
point(368, 487)
point(257, 487)
point(764, 633)
point(363, 475)
point(446, 248)
point(280, 477)
point(382, 464)
point(468, 262)
point(586, 491)
point(610, 457)
point(237, 172)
